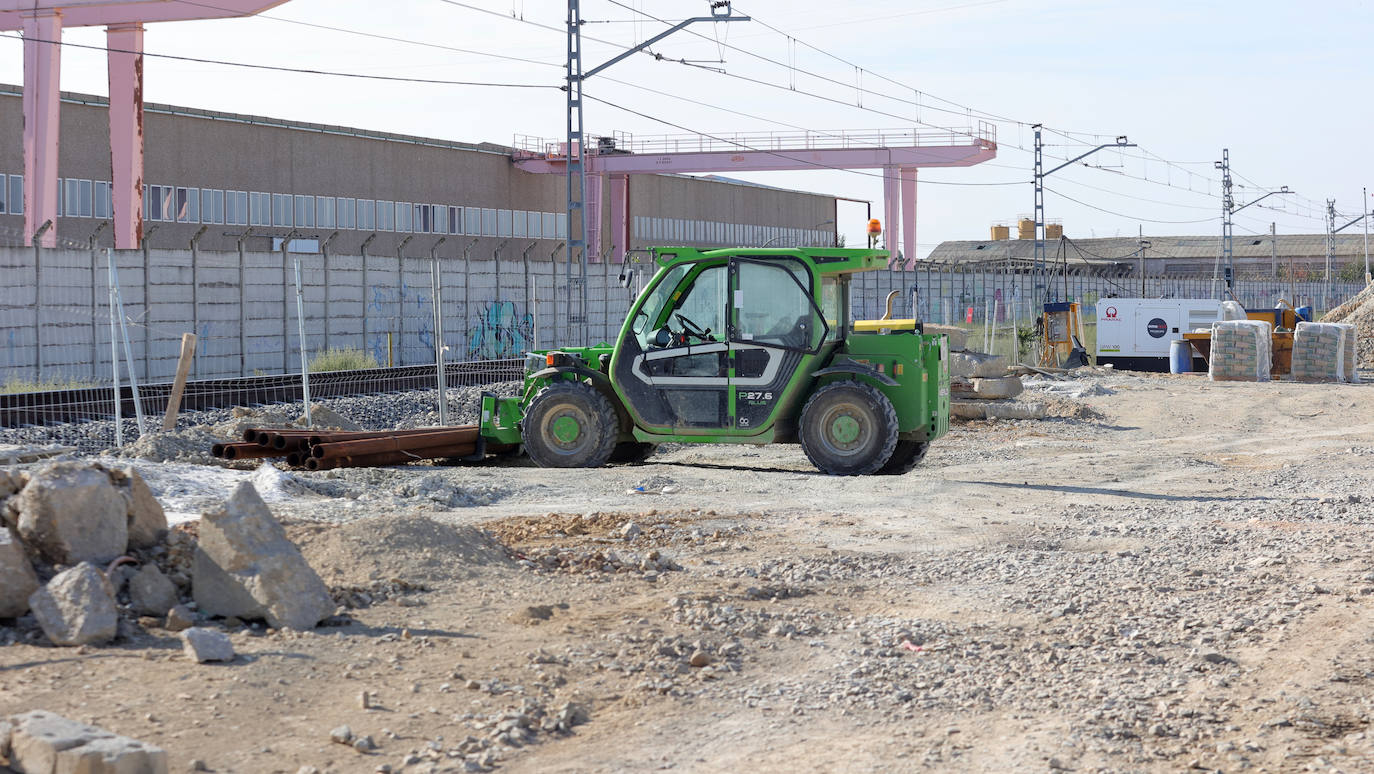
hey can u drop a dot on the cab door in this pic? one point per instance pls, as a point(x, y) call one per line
point(774, 324)
point(672, 370)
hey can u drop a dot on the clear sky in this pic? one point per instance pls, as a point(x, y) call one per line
point(1275, 82)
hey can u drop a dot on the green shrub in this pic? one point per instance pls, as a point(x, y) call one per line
point(14, 384)
point(342, 360)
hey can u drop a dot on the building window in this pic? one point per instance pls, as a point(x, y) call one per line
point(324, 211)
point(281, 210)
point(4, 194)
point(366, 211)
point(403, 216)
point(455, 220)
point(305, 211)
point(101, 208)
point(16, 194)
point(260, 209)
point(488, 222)
point(561, 227)
point(188, 205)
point(503, 220)
point(348, 212)
point(211, 205)
point(236, 208)
point(420, 216)
point(386, 215)
point(159, 202)
point(518, 223)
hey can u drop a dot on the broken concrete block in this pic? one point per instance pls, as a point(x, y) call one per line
point(51, 744)
point(990, 409)
point(77, 607)
point(976, 364)
point(179, 617)
point(17, 578)
point(245, 566)
point(958, 337)
point(9, 484)
point(326, 418)
point(151, 593)
point(147, 520)
point(998, 388)
point(201, 645)
point(69, 512)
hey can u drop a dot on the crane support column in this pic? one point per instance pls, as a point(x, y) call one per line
point(908, 185)
point(42, 65)
point(891, 205)
point(620, 217)
point(126, 132)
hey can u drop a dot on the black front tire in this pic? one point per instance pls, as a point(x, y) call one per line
point(632, 452)
point(906, 456)
point(569, 425)
point(848, 428)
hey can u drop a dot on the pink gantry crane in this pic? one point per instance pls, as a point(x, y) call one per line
point(898, 153)
point(42, 22)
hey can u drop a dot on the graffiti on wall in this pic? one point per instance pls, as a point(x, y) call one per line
point(498, 331)
point(395, 311)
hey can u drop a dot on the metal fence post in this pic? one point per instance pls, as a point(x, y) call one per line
point(436, 292)
point(286, 304)
point(300, 328)
point(114, 349)
point(128, 348)
point(195, 291)
point(243, 300)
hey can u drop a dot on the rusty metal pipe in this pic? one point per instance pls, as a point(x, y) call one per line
point(360, 435)
point(391, 458)
point(241, 451)
point(328, 451)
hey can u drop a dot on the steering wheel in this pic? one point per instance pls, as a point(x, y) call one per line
point(692, 329)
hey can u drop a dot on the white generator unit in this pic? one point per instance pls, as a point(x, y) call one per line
point(1135, 333)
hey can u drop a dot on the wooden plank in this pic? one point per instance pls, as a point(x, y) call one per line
point(188, 351)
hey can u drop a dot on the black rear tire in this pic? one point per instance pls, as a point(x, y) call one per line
point(906, 456)
point(848, 428)
point(632, 452)
point(569, 425)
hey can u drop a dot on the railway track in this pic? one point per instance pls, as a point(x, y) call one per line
point(93, 403)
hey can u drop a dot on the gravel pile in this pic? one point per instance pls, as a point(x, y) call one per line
point(373, 412)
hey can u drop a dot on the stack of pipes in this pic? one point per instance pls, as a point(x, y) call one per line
point(326, 449)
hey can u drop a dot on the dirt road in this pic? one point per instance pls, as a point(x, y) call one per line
point(1186, 579)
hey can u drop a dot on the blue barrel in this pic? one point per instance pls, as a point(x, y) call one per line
point(1304, 313)
point(1180, 357)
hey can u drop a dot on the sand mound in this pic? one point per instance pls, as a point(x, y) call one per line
point(411, 548)
point(1359, 312)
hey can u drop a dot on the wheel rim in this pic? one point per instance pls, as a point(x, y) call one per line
point(846, 429)
point(565, 429)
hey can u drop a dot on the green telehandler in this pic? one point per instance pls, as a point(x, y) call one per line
point(748, 346)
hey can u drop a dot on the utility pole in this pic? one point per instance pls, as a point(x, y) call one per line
point(1228, 209)
point(1364, 208)
point(576, 135)
point(1273, 250)
point(1039, 183)
point(1144, 244)
point(1330, 248)
point(1227, 205)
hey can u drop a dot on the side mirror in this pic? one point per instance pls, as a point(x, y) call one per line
point(638, 326)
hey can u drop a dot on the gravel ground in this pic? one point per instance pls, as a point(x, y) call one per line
point(1180, 577)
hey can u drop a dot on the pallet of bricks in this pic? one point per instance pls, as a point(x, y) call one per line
point(1324, 352)
point(1242, 351)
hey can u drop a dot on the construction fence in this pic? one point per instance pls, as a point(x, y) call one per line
point(67, 314)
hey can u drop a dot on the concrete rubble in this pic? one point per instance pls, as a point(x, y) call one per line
point(151, 593)
point(17, 578)
point(147, 520)
point(40, 742)
point(202, 645)
point(69, 512)
point(246, 567)
point(76, 607)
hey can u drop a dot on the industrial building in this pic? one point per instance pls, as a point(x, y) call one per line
point(234, 181)
point(1257, 256)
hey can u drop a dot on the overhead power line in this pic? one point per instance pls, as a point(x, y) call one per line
point(282, 69)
